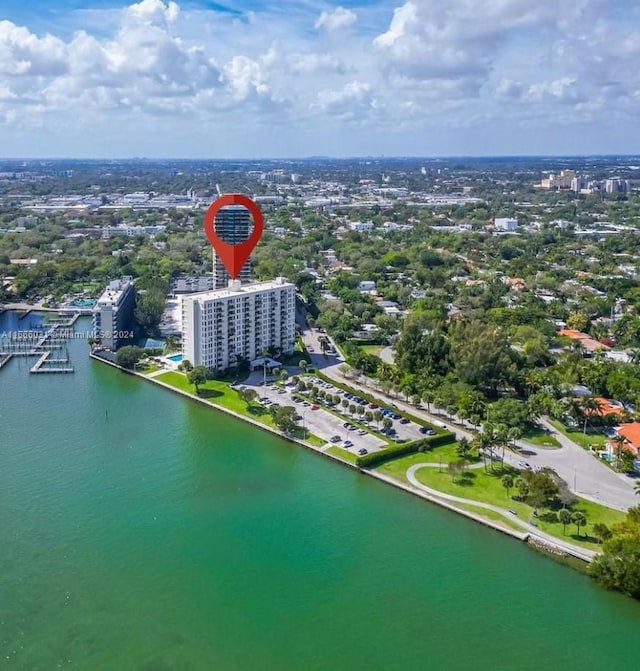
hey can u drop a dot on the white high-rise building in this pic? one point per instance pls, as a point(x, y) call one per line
point(225, 326)
point(113, 314)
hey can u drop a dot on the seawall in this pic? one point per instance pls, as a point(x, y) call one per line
point(554, 550)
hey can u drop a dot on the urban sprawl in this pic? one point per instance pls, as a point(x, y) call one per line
point(468, 329)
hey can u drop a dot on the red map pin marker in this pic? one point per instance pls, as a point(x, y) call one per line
point(233, 256)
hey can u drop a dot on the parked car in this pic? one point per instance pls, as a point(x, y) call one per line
point(427, 431)
point(362, 451)
point(348, 443)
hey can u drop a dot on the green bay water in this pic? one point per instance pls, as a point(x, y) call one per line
point(142, 531)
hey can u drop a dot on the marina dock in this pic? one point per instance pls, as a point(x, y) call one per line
point(49, 346)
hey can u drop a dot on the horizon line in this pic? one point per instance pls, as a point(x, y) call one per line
point(317, 157)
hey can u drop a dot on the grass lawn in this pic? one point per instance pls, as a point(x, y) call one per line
point(219, 393)
point(596, 439)
point(490, 515)
point(397, 468)
point(487, 487)
point(145, 370)
point(374, 350)
point(539, 436)
point(314, 440)
point(343, 454)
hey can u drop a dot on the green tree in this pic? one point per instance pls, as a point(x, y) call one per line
point(463, 449)
point(284, 418)
point(128, 356)
point(564, 516)
point(602, 532)
point(579, 519)
point(248, 396)
point(197, 376)
point(482, 356)
point(618, 566)
point(507, 483)
point(523, 488)
point(578, 321)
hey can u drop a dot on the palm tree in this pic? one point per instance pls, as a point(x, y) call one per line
point(637, 488)
point(501, 436)
point(579, 519)
point(564, 516)
point(303, 365)
point(377, 415)
point(591, 406)
point(507, 483)
point(427, 397)
point(618, 441)
point(514, 435)
point(464, 447)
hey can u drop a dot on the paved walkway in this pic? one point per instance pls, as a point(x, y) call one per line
point(533, 531)
point(585, 475)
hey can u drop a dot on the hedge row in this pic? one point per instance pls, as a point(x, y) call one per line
point(402, 449)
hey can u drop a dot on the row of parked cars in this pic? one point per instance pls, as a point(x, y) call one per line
point(357, 400)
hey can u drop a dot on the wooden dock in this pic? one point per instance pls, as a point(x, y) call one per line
point(46, 345)
point(41, 365)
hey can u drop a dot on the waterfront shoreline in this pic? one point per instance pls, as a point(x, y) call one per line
point(528, 538)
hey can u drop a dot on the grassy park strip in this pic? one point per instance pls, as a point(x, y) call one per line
point(490, 515)
point(343, 454)
point(486, 487)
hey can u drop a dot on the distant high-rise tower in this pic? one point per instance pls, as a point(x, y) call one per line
point(232, 224)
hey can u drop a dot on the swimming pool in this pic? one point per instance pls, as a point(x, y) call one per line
point(175, 357)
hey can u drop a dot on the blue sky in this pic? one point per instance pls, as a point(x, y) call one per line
point(195, 78)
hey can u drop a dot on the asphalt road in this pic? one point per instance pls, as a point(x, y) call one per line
point(584, 474)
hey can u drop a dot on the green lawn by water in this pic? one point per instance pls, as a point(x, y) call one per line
point(343, 454)
point(443, 455)
point(219, 393)
point(487, 488)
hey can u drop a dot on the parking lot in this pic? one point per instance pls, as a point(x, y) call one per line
point(327, 426)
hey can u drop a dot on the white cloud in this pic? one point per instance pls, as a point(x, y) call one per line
point(338, 18)
point(402, 65)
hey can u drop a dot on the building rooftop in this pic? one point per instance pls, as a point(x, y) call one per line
point(237, 289)
point(112, 295)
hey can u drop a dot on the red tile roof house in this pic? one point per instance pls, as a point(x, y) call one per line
point(588, 343)
point(631, 434)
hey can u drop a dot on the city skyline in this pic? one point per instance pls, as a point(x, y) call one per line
point(197, 79)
